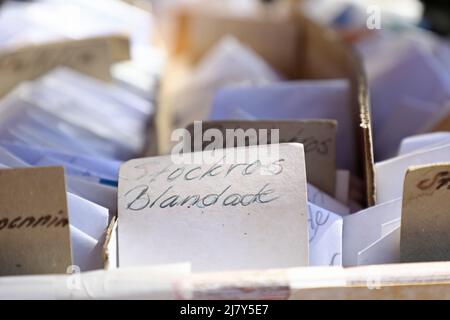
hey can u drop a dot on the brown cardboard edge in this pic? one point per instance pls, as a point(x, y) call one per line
point(351, 65)
point(366, 128)
point(119, 44)
point(318, 120)
point(105, 249)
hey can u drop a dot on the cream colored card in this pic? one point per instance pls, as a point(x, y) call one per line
point(425, 226)
point(34, 226)
point(317, 136)
point(233, 209)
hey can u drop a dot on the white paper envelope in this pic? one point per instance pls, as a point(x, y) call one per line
point(422, 141)
point(325, 237)
point(135, 106)
point(30, 127)
point(70, 169)
point(73, 165)
point(409, 117)
point(323, 200)
point(102, 168)
point(120, 110)
point(416, 74)
point(115, 128)
point(87, 216)
point(315, 99)
point(86, 251)
point(48, 20)
point(383, 251)
point(342, 186)
point(10, 160)
point(228, 62)
point(390, 174)
point(73, 106)
point(101, 194)
point(363, 228)
point(24, 122)
point(390, 226)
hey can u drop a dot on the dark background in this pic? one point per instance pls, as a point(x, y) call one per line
point(436, 16)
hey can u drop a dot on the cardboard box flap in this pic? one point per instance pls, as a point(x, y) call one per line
point(110, 257)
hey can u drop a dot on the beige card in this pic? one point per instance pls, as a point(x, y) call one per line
point(425, 224)
point(34, 226)
point(91, 56)
point(317, 136)
point(232, 209)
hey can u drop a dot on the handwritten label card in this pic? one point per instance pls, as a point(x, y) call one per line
point(34, 226)
point(234, 212)
point(425, 223)
point(317, 136)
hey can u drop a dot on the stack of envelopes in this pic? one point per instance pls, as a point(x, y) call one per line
point(287, 140)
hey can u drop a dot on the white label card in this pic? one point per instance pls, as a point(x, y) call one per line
point(244, 208)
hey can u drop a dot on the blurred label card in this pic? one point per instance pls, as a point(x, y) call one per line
point(425, 226)
point(92, 56)
point(34, 226)
point(317, 99)
point(317, 136)
point(232, 209)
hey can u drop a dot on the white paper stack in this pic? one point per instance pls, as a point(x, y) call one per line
point(89, 127)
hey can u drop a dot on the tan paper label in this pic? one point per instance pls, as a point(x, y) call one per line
point(92, 57)
point(34, 226)
point(425, 224)
point(317, 136)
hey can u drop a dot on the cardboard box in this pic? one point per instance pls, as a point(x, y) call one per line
point(317, 53)
point(322, 55)
point(291, 43)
